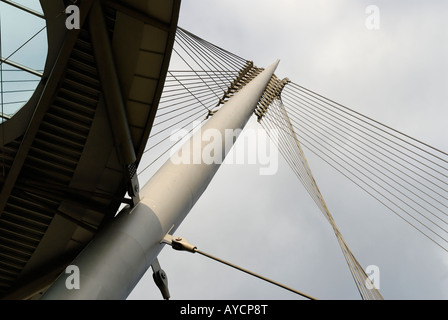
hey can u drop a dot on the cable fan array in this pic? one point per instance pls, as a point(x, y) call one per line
point(201, 78)
point(274, 119)
point(17, 82)
point(407, 176)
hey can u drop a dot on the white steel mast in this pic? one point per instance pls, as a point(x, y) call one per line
point(119, 255)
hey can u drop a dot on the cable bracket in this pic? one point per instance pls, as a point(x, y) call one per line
point(179, 243)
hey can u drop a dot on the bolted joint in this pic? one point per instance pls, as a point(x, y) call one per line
point(179, 243)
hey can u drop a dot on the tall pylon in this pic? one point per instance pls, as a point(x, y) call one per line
point(115, 260)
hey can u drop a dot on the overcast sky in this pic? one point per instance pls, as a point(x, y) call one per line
point(397, 74)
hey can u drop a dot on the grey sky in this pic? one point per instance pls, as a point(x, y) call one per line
point(397, 75)
point(268, 224)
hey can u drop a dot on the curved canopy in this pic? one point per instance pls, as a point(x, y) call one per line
point(69, 156)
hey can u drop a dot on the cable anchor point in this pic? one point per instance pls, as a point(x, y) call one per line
point(179, 243)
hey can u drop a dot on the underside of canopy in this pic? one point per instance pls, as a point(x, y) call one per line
point(70, 155)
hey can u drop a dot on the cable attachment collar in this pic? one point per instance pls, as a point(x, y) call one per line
point(179, 243)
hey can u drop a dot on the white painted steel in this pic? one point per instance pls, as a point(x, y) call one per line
point(115, 260)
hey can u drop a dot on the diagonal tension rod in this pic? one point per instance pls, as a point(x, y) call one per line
point(181, 244)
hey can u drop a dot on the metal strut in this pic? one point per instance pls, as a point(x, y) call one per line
point(181, 244)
